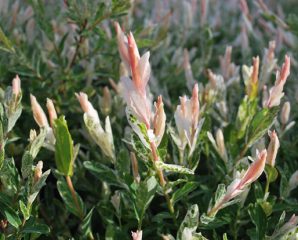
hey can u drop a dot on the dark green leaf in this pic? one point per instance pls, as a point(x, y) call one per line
point(260, 124)
point(2, 145)
point(86, 224)
point(105, 173)
point(259, 219)
point(10, 214)
point(68, 199)
point(184, 191)
point(143, 196)
point(36, 228)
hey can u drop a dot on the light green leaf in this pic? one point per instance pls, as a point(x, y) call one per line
point(37, 186)
point(31, 153)
point(9, 176)
point(189, 225)
point(173, 168)
point(260, 124)
point(25, 211)
point(6, 42)
point(246, 111)
point(220, 192)
point(64, 150)
point(271, 173)
point(138, 127)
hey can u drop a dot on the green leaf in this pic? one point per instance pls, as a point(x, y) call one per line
point(27, 164)
point(190, 223)
point(68, 199)
point(12, 119)
point(198, 236)
point(13, 108)
point(25, 211)
point(123, 161)
point(184, 191)
point(293, 23)
point(173, 168)
point(31, 153)
point(105, 173)
point(2, 145)
point(220, 192)
point(246, 111)
point(259, 219)
point(258, 190)
point(37, 228)
point(86, 224)
point(10, 214)
point(138, 127)
point(6, 42)
point(9, 176)
point(284, 184)
point(271, 173)
point(260, 124)
point(267, 207)
point(143, 43)
point(225, 237)
point(219, 195)
point(37, 186)
point(143, 196)
point(64, 150)
point(41, 19)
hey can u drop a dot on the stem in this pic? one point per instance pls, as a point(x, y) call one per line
point(235, 227)
point(99, 20)
point(214, 210)
point(181, 157)
point(266, 187)
point(78, 45)
point(242, 153)
point(74, 196)
point(218, 205)
point(161, 178)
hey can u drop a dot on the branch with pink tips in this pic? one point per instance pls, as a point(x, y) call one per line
point(276, 92)
point(240, 183)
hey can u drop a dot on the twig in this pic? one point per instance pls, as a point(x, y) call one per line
point(78, 45)
point(74, 196)
point(161, 178)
